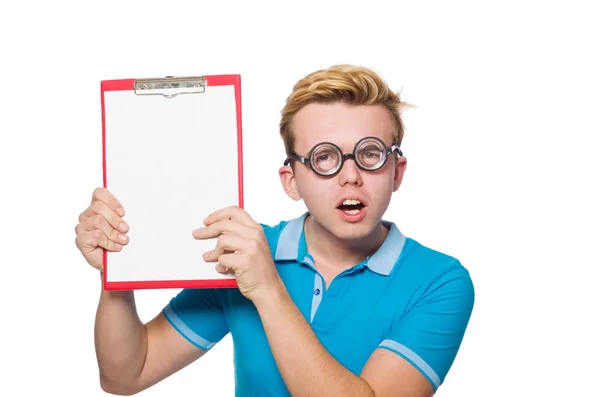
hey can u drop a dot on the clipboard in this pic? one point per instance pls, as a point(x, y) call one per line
point(172, 154)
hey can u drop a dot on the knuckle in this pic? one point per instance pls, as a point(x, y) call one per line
point(80, 242)
point(98, 235)
point(96, 221)
point(103, 224)
point(257, 234)
point(98, 192)
point(254, 245)
point(110, 245)
point(97, 206)
point(113, 234)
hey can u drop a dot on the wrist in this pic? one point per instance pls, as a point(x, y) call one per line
point(272, 294)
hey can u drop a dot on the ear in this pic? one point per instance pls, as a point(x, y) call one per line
point(288, 182)
point(399, 170)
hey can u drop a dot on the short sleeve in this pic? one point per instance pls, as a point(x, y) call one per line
point(431, 332)
point(198, 315)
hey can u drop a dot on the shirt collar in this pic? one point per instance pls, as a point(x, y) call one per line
point(292, 246)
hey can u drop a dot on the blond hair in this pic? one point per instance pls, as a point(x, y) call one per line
point(349, 84)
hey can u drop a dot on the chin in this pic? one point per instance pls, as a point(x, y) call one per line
point(350, 234)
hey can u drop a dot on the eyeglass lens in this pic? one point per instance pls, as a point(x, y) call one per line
point(327, 157)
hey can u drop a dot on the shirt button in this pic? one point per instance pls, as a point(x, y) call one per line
point(317, 291)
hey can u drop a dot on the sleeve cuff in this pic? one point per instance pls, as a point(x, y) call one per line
point(414, 359)
point(185, 331)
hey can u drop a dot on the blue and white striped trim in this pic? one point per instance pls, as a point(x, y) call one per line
point(414, 359)
point(185, 330)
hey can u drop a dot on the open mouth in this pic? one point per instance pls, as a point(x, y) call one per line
point(351, 206)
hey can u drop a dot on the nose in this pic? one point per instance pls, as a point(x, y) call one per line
point(350, 173)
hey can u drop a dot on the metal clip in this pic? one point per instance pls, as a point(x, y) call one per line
point(169, 86)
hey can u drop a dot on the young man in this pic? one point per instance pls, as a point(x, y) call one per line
point(336, 302)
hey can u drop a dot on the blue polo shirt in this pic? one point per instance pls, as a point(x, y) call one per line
point(406, 298)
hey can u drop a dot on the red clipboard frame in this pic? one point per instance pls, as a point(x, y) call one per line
point(128, 84)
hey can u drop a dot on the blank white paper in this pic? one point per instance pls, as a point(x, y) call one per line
point(170, 162)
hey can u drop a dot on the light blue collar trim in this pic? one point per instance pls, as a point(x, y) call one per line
point(384, 259)
point(381, 262)
point(289, 239)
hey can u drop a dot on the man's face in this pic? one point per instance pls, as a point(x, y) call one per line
point(325, 196)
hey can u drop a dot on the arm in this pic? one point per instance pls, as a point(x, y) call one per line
point(309, 370)
point(306, 367)
point(133, 356)
point(412, 361)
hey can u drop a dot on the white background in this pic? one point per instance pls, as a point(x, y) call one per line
point(502, 166)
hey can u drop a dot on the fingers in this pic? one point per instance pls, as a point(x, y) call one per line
point(225, 226)
point(224, 269)
point(91, 239)
point(99, 222)
point(102, 209)
point(234, 213)
point(225, 243)
point(103, 195)
point(229, 263)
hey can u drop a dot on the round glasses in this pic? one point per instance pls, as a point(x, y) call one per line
point(327, 159)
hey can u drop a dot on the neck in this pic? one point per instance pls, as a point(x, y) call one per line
point(345, 253)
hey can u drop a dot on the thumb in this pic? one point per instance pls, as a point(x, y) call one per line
point(224, 269)
point(229, 263)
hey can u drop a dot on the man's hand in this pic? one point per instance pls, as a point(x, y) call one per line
point(101, 227)
point(241, 249)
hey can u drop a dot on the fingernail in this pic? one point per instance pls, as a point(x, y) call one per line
point(121, 211)
point(123, 237)
point(123, 227)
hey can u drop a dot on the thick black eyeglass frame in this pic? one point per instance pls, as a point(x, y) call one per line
point(344, 157)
